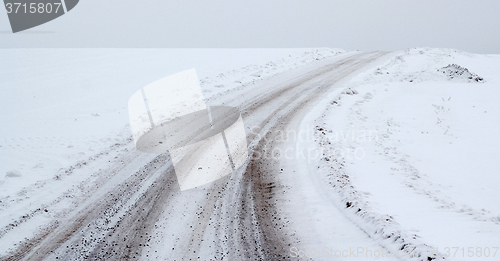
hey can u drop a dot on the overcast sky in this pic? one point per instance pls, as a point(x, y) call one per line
point(472, 25)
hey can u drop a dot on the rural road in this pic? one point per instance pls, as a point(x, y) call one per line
point(133, 209)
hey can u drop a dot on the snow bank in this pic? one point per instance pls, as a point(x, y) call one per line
point(413, 156)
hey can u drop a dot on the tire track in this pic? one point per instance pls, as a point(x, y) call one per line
point(259, 235)
point(99, 232)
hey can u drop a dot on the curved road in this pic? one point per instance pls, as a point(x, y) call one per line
point(134, 209)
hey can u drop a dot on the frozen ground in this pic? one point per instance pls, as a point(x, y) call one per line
point(383, 153)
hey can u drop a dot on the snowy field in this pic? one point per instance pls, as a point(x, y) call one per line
point(416, 140)
point(60, 107)
point(354, 156)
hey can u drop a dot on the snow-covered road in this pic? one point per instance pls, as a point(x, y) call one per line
point(117, 215)
point(295, 197)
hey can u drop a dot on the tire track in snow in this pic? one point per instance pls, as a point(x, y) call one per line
point(255, 231)
point(255, 188)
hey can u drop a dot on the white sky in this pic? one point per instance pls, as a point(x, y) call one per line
point(470, 25)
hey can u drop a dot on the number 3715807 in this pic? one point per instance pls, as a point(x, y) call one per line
point(470, 251)
point(33, 8)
